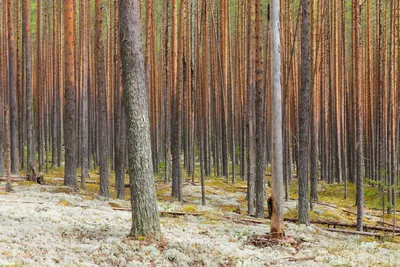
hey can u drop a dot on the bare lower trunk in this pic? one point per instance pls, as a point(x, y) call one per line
point(277, 227)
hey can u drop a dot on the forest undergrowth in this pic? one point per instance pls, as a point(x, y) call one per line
point(53, 225)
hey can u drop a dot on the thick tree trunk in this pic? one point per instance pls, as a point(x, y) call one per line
point(145, 221)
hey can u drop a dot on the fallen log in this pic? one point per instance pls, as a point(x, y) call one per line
point(376, 209)
point(389, 225)
point(22, 202)
point(14, 179)
point(292, 259)
point(121, 209)
point(347, 225)
point(163, 213)
point(336, 207)
point(179, 213)
point(342, 209)
point(241, 187)
point(87, 182)
point(353, 232)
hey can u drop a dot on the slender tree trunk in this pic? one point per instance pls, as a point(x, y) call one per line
point(12, 89)
point(85, 90)
point(250, 107)
point(69, 99)
point(102, 111)
point(277, 227)
point(259, 103)
point(304, 102)
point(176, 111)
point(8, 137)
point(167, 138)
point(359, 114)
point(26, 35)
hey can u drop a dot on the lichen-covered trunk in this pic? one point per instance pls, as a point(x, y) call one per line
point(145, 220)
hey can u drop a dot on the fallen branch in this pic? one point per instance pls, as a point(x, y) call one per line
point(163, 213)
point(121, 209)
point(353, 232)
point(342, 209)
point(23, 202)
point(310, 258)
point(246, 221)
point(14, 179)
point(347, 225)
point(292, 259)
point(212, 192)
point(87, 182)
point(389, 225)
point(241, 187)
point(179, 213)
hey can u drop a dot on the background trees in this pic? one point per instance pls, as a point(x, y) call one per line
point(210, 89)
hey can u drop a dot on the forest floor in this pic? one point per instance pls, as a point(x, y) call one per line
point(53, 226)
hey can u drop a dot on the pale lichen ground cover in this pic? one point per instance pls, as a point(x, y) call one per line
point(42, 228)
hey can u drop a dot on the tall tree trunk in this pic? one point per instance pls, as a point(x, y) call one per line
point(277, 227)
point(359, 113)
point(69, 96)
point(85, 7)
point(102, 103)
point(12, 89)
point(26, 35)
point(259, 103)
point(167, 124)
point(145, 221)
point(175, 110)
point(250, 107)
point(304, 102)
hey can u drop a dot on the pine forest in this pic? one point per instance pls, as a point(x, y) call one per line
point(199, 133)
